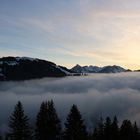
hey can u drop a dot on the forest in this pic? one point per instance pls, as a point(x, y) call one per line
point(48, 126)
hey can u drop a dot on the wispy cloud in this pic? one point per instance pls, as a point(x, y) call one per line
point(100, 30)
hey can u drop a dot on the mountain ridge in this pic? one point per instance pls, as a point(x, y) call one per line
point(25, 68)
point(97, 69)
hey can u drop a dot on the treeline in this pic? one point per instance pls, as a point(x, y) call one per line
point(48, 126)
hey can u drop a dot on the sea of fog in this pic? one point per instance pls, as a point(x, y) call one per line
point(95, 95)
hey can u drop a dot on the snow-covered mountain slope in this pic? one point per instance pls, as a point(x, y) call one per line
point(22, 68)
point(78, 69)
point(12, 61)
point(96, 69)
point(92, 69)
point(112, 69)
point(86, 69)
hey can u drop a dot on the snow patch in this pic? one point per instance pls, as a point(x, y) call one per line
point(26, 58)
point(12, 63)
point(66, 72)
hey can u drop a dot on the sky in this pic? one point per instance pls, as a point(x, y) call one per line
point(69, 32)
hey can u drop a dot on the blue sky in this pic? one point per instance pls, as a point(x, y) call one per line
point(67, 32)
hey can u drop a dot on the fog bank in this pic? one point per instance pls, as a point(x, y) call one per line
point(96, 95)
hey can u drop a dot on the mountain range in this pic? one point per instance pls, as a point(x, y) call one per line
point(96, 69)
point(24, 68)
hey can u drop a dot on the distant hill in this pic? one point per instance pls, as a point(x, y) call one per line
point(96, 69)
point(86, 69)
point(112, 69)
point(24, 68)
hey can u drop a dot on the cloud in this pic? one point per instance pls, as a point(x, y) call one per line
point(96, 95)
point(96, 31)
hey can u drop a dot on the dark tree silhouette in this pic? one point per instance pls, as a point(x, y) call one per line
point(74, 126)
point(107, 129)
point(95, 134)
point(136, 133)
point(7, 137)
point(115, 129)
point(99, 133)
point(53, 123)
point(48, 124)
point(126, 130)
point(18, 124)
point(41, 123)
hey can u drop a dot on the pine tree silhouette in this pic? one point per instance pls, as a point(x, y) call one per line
point(115, 129)
point(53, 123)
point(100, 130)
point(74, 126)
point(7, 137)
point(95, 134)
point(41, 123)
point(48, 124)
point(136, 133)
point(107, 129)
point(18, 124)
point(126, 130)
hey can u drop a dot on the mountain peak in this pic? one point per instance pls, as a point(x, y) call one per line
point(96, 69)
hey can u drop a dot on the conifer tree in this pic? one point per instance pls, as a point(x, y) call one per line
point(115, 129)
point(74, 126)
point(136, 133)
point(100, 129)
point(41, 123)
point(48, 124)
point(107, 129)
point(126, 130)
point(7, 137)
point(53, 123)
point(95, 134)
point(18, 124)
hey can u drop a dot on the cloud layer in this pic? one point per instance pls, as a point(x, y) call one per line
point(96, 95)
